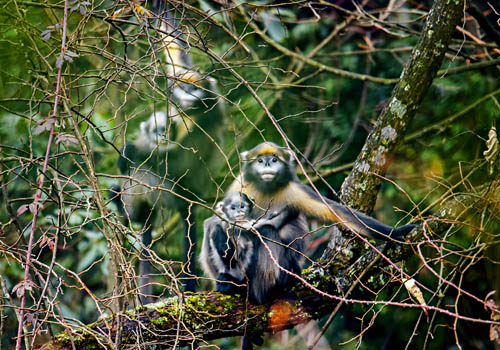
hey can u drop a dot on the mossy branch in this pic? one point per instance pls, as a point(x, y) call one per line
point(209, 315)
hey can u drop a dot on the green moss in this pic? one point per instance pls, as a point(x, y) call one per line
point(161, 322)
point(227, 302)
point(167, 307)
point(63, 339)
point(347, 253)
point(317, 277)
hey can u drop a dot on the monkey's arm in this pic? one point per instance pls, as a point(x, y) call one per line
point(277, 218)
point(219, 260)
point(231, 276)
point(223, 247)
point(217, 256)
point(210, 259)
point(312, 205)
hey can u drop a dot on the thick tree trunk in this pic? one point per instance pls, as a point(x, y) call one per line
point(360, 188)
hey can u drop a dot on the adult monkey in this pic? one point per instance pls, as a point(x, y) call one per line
point(171, 146)
point(269, 179)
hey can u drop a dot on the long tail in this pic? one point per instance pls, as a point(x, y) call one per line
point(245, 343)
point(368, 226)
point(308, 201)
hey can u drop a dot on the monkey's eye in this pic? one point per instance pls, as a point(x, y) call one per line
point(233, 207)
point(275, 159)
point(260, 160)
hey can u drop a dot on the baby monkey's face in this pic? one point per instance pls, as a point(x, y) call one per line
point(237, 207)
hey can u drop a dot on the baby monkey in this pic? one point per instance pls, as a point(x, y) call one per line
point(235, 256)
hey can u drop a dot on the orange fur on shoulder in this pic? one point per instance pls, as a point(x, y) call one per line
point(313, 207)
point(292, 195)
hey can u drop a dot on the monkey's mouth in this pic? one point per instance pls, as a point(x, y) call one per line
point(267, 176)
point(239, 217)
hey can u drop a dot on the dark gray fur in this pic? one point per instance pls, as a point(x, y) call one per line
point(237, 259)
point(172, 153)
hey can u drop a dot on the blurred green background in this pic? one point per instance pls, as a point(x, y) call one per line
point(118, 79)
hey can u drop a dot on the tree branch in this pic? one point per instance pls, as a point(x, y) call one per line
point(210, 315)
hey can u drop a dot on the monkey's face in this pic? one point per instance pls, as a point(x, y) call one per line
point(267, 167)
point(237, 208)
point(157, 131)
point(154, 130)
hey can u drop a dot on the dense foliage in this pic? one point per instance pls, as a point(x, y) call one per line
point(297, 59)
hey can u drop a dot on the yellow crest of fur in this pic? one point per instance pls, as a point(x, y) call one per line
point(176, 67)
point(269, 148)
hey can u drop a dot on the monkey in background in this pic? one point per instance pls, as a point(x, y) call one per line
point(269, 179)
point(162, 157)
point(233, 256)
point(172, 144)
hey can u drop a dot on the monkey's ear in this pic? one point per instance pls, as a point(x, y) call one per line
point(219, 206)
point(244, 156)
point(289, 156)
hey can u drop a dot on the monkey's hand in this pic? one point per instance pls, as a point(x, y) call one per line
point(247, 224)
point(272, 214)
point(276, 218)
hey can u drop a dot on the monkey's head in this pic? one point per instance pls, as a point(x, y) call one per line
point(153, 130)
point(236, 206)
point(157, 129)
point(268, 166)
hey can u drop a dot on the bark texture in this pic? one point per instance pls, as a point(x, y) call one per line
point(360, 188)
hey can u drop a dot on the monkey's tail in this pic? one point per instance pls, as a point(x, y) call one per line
point(403, 231)
point(245, 343)
point(368, 226)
